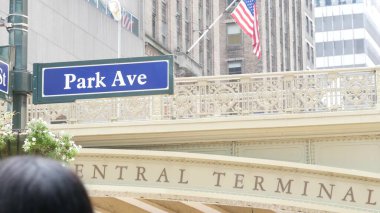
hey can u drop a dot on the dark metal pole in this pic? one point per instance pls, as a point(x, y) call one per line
point(18, 37)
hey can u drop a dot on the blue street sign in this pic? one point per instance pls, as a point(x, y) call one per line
point(4, 77)
point(69, 81)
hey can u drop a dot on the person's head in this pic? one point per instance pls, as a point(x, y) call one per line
point(38, 185)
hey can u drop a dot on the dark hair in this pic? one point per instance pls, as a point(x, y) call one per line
point(38, 185)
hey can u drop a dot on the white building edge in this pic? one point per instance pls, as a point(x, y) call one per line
point(347, 33)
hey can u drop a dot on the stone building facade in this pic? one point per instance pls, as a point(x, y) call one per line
point(173, 26)
point(285, 46)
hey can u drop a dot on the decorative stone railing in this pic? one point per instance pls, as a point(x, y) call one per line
point(232, 95)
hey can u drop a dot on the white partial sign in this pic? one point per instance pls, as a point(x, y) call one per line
point(4, 77)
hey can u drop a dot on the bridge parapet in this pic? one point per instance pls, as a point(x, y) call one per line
point(232, 95)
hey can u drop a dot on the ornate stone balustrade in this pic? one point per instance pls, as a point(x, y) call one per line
point(237, 95)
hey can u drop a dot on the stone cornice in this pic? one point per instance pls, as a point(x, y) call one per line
point(254, 127)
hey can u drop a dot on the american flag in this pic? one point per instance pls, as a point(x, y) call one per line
point(246, 16)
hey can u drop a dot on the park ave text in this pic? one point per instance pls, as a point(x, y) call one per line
point(97, 81)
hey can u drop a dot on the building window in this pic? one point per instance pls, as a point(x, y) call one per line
point(358, 20)
point(234, 35)
point(328, 48)
point(342, 2)
point(308, 50)
point(327, 23)
point(201, 53)
point(187, 24)
point(267, 32)
point(337, 22)
point(200, 16)
point(309, 26)
point(164, 9)
point(164, 42)
point(318, 24)
point(234, 67)
point(230, 1)
point(321, 3)
point(347, 21)
point(164, 21)
point(179, 25)
point(319, 48)
point(209, 57)
point(301, 53)
point(338, 48)
point(348, 47)
point(311, 29)
point(187, 35)
point(208, 12)
point(359, 45)
point(154, 18)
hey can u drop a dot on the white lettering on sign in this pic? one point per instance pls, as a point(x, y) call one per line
point(97, 81)
point(141, 79)
point(118, 78)
point(3, 77)
point(84, 83)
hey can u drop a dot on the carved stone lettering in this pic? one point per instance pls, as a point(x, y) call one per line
point(97, 170)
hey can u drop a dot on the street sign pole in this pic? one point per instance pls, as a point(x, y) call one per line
point(18, 37)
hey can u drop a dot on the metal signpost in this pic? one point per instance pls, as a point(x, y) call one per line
point(69, 81)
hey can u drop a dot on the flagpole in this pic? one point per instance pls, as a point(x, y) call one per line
point(208, 28)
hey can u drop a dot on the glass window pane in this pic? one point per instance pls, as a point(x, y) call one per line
point(234, 39)
point(233, 29)
point(338, 47)
point(358, 20)
point(337, 21)
point(327, 23)
point(311, 29)
point(317, 3)
point(234, 67)
point(319, 49)
point(342, 2)
point(233, 34)
point(328, 48)
point(347, 21)
point(228, 2)
point(318, 25)
point(359, 45)
point(348, 47)
point(135, 26)
point(94, 2)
